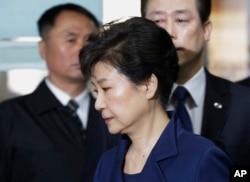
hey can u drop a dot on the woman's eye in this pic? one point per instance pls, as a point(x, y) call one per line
point(105, 89)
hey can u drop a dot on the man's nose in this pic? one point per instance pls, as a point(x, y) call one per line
point(171, 29)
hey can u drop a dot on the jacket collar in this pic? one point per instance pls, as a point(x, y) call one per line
point(166, 147)
point(43, 100)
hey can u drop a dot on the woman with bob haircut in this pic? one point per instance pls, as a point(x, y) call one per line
point(132, 66)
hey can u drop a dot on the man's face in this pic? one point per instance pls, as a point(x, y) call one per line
point(180, 18)
point(61, 48)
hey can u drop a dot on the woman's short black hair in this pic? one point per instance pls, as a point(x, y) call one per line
point(137, 48)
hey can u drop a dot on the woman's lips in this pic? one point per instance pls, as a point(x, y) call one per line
point(107, 120)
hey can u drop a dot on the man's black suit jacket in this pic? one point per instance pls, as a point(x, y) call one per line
point(226, 117)
point(40, 142)
point(245, 82)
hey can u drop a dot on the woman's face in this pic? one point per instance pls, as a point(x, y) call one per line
point(123, 105)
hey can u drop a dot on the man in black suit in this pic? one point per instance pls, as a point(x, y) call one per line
point(219, 109)
point(41, 139)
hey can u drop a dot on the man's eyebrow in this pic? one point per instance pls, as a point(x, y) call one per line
point(162, 12)
point(157, 12)
point(182, 11)
point(71, 34)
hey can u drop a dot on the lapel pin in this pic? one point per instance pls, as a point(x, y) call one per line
point(218, 105)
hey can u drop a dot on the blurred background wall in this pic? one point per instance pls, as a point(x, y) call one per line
point(21, 68)
point(228, 49)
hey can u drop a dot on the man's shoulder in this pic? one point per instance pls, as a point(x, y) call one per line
point(227, 85)
point(10, 102)
point(245, 82)
point(214, 79)
point(23, 98)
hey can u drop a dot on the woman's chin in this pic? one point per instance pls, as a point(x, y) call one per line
point(113, 131)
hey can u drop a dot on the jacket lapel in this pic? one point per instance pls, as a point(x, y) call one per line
point(165, 148)
point(117, 171)
point(50, 113)
point(216, 105)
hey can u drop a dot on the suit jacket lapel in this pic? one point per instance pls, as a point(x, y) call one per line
point(165, 148)
point(121, 154)
point(48, 110)
point(216, 105)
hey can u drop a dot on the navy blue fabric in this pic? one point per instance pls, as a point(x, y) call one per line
point(181, 94)
point(179, 155)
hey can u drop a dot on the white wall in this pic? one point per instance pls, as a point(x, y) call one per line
point(115, 9)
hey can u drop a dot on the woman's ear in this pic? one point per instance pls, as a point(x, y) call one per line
point(151, 86)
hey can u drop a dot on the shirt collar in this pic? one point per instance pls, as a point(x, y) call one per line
point(63, 97)
point(82, 98)
point(195, 86)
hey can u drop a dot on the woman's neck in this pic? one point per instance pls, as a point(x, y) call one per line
point(143, 141)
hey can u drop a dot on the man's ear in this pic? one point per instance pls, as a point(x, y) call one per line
point(207, 28)
point(42, 49)
point(151, 86)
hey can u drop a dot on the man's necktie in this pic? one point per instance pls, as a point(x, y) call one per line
point(72, 107)
point(181, 94)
